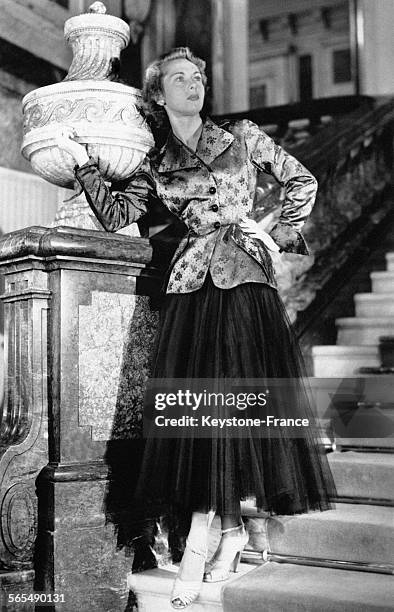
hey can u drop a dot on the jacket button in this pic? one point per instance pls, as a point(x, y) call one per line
point(216, 225)
point(212, 190)
point(215, 207)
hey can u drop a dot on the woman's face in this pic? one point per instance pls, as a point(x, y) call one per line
point(183, 89)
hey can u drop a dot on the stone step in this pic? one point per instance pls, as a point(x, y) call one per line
point(386, 349)
point(363, 330)
point(359, 410)
point(374, 304)
point(386, 444)
point(365, 395)
point(390, 262)
point(351, 532)
point(282, 587)
point(337, 361)
point(360, 425)
point(273, 587)
point(382, 282)
point(363, 475)
point(348, 532)
point(153, 589)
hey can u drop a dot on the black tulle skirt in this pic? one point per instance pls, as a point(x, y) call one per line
point(242, 332)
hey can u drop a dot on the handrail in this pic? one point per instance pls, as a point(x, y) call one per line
point(331, 147)
point(312, 110)
point(339, 140)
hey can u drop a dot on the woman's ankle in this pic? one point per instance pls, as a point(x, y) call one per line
point(231, 521)
point(197, 538)
point(238, 530)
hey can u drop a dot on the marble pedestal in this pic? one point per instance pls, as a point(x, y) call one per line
point(79, 329)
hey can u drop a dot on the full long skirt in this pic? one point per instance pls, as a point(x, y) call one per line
point(242, 332)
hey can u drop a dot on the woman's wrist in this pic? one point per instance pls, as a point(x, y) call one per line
point(65, 140)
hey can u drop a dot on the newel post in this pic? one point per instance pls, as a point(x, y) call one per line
point(79, 332)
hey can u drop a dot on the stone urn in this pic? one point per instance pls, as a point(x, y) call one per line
point(104, 113)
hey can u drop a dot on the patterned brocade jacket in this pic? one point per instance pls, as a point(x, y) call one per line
point(211, 190)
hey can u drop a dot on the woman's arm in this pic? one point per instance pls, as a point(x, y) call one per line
point(113, 211)
point(300, 187)
point(123, 208)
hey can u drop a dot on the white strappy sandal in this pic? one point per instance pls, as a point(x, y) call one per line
point(227, 556)
point(184, 592)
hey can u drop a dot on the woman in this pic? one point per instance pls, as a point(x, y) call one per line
point(222, 317)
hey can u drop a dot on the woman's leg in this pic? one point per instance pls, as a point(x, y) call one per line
point(227, 556)
point(197, 543)
point(188, 582)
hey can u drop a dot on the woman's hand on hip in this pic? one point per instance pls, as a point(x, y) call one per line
point(65, 140)
point(252, 228)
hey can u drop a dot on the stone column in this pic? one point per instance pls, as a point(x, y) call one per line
point(159, 32)
point(375, 27)
point(79, 334)
point(230, 63)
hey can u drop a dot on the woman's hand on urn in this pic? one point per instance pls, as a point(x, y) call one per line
point(252, 228)
point(65, 140)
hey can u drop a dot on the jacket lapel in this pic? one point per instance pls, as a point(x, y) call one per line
point(213, 142)
point(176, 156)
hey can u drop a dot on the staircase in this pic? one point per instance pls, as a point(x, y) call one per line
point(358, 337)
point(341, 560)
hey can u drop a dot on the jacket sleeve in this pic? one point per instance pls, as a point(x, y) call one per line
point(122, 208)
point(300, 187)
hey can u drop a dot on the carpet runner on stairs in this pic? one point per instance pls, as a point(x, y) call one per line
point(363, 475)
point(273, 587)
point(350, 532)
point(279, 587)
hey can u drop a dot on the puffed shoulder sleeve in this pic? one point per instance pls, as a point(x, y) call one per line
point(116, 210)
point(300, 187)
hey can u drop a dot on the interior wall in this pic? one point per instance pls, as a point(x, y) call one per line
point(282, 34)
point(376, 39)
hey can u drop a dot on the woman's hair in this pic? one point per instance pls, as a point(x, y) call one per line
point(152, 89)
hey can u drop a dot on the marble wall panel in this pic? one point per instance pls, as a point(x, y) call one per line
point(103, 327)
point(114, 333)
